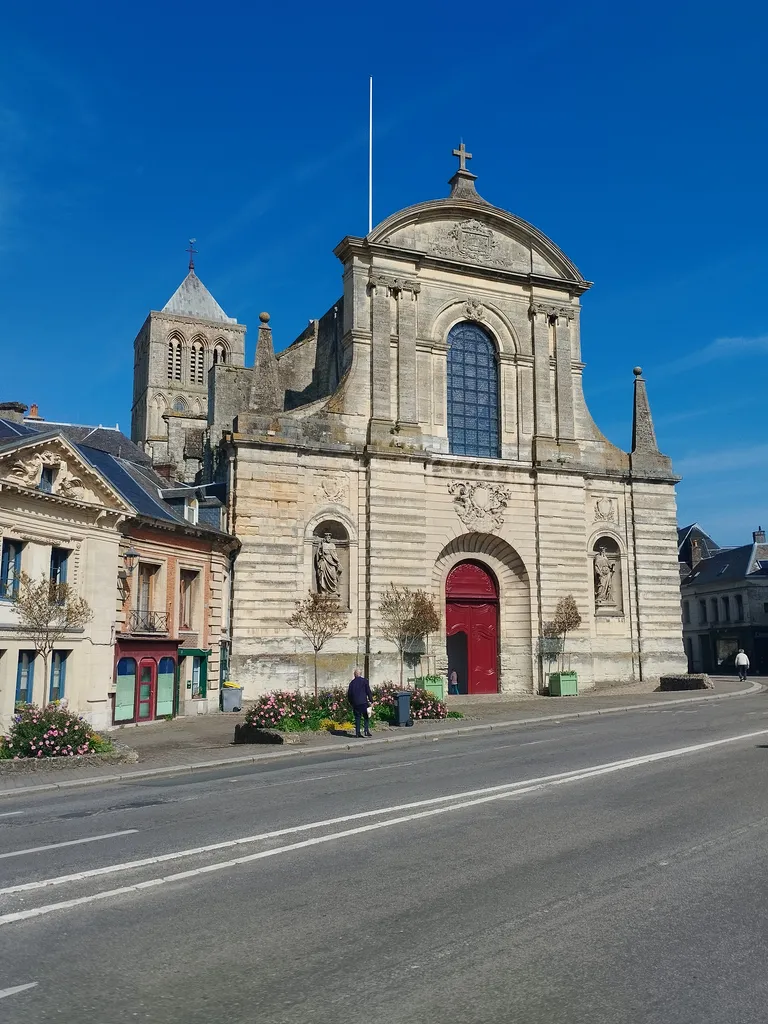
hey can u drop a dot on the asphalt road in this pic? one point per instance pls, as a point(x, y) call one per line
point(606, 870)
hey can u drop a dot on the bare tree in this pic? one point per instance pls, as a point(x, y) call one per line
point(408, 616)
point(47, 611)
point(320, 618)
point(567, 618)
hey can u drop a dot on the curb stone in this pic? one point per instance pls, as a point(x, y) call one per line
point(236, 762)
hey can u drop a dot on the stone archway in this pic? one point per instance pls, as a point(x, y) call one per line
point(504, 566)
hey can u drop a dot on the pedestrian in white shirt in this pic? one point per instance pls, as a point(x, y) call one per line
point(742, 664)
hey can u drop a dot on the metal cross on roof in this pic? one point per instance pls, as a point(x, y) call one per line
point(463, 156)
point(192, 252)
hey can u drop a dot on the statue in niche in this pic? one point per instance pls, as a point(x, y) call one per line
point(604, 570)
point(327, 567)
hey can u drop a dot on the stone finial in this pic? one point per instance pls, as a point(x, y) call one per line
point(463, 182)
point(266, 395)
point(192, 253)
point(643, 434)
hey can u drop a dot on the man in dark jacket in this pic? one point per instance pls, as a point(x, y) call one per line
point(359, 696)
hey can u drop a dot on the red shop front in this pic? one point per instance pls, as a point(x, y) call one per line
point(145, 680)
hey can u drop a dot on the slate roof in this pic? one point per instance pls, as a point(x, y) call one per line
point(125, 466)
point(729, 565)
point(192, 298)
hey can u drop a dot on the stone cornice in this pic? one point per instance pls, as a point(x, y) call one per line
point(159, 314)
point(551, 310)
point(395, 285)
point(58, 499)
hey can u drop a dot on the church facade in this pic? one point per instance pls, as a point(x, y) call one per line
point(431, 430)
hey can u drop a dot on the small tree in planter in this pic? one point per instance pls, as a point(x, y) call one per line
point(566, 620)
point(47, 611)
point(320, 618)
point(407, 617)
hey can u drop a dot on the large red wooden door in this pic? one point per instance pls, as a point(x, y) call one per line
point(471, 620)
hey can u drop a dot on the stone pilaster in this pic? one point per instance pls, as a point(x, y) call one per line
point(381, 330)
point(407, 413)
point(540, 318)
point(563, 359)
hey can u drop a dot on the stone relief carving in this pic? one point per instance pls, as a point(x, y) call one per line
point(474, 309)
point(480, 506)
point(552, 310)
point(605, 511)
point(471, 240)
point(395, 285)
point(331, 488)
point(327, 567)
point(27, 473)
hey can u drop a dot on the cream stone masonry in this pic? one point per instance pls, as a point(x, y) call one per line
point(51, 498)
point(432, 427)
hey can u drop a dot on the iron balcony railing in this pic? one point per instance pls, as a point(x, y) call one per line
point(147, 622)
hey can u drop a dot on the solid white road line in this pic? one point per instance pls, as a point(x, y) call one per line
point(72, 842)
point(466, 799)
point(5, 992)
point(10, 814)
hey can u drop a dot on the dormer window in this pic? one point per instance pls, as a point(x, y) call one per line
point(46, 479)
point(190, 510)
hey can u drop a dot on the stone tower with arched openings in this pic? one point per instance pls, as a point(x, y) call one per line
point(173, 352)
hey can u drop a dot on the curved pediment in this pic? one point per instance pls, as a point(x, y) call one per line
point(479, 235)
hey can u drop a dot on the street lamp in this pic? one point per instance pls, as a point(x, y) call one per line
point(130, 557)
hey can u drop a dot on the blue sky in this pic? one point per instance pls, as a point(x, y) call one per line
point(634, 135)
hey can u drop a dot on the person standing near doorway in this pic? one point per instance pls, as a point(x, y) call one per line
point(453, 682)
point(360, 697)
point(742, 664)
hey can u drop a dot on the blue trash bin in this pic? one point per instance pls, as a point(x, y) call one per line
point(403, 708)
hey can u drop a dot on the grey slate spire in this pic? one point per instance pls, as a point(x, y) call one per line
point(266, 395)
point(193, 299)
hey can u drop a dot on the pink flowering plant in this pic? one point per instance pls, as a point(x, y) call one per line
point(297, 711)
point(52, 731)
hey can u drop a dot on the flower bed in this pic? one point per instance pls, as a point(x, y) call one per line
point(297, 711)
point(52, 731)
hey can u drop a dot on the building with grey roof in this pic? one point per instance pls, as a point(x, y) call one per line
point(724, 601)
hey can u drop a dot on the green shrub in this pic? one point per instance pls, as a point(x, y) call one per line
point(53, 731)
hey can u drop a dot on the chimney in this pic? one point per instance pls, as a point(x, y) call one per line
point(13, 411)
point(34, 413)
point(695, 552)
point(759, 535)
point(165, 469)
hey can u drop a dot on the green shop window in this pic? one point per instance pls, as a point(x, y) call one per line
point(125, 690)
point(196, 670)
point(166, 678)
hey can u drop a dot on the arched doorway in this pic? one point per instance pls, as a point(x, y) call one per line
point(472, 627)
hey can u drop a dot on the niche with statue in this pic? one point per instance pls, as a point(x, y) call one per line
point(330, 561)
point(606, 574)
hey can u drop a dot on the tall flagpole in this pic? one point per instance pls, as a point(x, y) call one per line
point(370, 154)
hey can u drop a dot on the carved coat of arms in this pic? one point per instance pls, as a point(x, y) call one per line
point(480, 506)
point(605, 510)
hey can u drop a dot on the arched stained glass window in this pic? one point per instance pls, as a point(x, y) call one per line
point(473, 392)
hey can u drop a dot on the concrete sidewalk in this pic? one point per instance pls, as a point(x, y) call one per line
point(205, 742)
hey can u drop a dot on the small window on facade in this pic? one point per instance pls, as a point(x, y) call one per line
point(714, 610)
point(702, 611)
point(179, 405)
point(187, 588)
point(145, 590)
point(686, 612)
point(47, 478)
point(190, 510)
point(726, 609)
point(25, 677)
point(59, 560)
point(219, 353)
point(10, 568)
point(58, 675)
point(739, 608)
